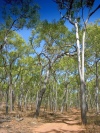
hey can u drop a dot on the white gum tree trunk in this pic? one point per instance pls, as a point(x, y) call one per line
point(80, 55)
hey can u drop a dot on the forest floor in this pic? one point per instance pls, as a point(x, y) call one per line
point(48, 122)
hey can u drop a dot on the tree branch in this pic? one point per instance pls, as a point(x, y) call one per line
point(92, 13)
point(61, 55)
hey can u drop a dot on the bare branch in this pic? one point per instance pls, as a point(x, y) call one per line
point(45, 56)
point(67, 17)
point(63, 54)
point(92, 13)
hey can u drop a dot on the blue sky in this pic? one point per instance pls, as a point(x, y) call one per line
point(49, 11)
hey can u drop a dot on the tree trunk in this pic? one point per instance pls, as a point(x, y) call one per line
point(97, 89)
point(78, 101)
point(65, 98)
point(83, 86)
point(20, 102)
point(83, 103)
point(10, 91)
point(11, 97)
point(66, 102)
point(40, 95)
point(56, 105)
point(81, 73)
point(25, 102)
point(7, 99)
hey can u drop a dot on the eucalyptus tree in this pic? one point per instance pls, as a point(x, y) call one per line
point(93, 56)
point(10, 54)
point(68, 79)
point(91, 94)
point(28, 79)
point(78, 14)
point(48, 41)
point(17, 14)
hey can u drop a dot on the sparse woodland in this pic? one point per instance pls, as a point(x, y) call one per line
point(57, 70)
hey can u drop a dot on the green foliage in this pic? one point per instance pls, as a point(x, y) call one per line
point(18, 14)
point(92, 51)
point(75, 10)
point(27, 63)
point(53, 36)
point(93, 37)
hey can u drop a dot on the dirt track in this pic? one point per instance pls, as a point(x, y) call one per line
point(49, 123)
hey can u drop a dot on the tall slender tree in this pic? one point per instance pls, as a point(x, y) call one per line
point(93, 56)
point(75, 13)
point(51, 36)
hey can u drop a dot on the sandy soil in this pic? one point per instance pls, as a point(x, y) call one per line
point(47, 123)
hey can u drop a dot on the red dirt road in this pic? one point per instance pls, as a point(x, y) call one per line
point(47, 123)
